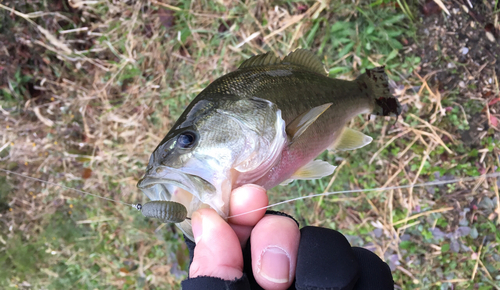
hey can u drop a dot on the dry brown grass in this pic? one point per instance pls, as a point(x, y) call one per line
point(108, 78)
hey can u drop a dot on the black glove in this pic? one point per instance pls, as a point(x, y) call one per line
point(325, 261)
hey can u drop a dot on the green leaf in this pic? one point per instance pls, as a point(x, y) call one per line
point(337, 70)
point(391, 20)
point(394, 43)
point(391, 55)
point(346, 49)
point(370, 29)
point(312, 33)
point(405, 244)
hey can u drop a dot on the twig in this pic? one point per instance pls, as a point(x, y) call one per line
point(422, 214)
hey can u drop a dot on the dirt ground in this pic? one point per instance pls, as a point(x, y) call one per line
point(462, 53)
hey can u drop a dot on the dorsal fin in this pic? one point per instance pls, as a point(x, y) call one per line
point(261, 60)
point(300, 57)
point(307, 60)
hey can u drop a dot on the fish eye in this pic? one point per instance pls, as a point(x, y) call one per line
point(186, 140)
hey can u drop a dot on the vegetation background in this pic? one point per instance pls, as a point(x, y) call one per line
point(89, 88)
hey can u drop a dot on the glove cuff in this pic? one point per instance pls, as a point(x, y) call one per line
point(210, 283)
point(282, 214)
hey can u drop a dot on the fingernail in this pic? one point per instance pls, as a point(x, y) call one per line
point(196, 224)
point(244, 189)
point(274, 265)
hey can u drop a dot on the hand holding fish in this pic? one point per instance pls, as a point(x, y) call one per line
point(278, 255)
point(274, 242)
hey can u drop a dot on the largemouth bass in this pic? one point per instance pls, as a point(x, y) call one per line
point(263, 124)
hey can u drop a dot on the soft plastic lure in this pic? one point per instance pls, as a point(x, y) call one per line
point(165, 211)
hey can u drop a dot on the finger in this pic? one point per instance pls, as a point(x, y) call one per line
point(244, 199)
point(217, 252)
point(275, 242)
point(243, 233)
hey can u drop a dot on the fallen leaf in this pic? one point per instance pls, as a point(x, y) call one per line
point(493, 121)
point(494, 101)
point(487, 94)
point(87, 172)
point(167, 17)
point(430, 8)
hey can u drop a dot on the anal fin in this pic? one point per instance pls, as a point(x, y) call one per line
point(349, 140)
point(286, 182)
point(314, 170)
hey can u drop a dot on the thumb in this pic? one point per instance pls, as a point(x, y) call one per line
point(218, 251)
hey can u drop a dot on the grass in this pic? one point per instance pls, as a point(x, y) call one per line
point(86, 99)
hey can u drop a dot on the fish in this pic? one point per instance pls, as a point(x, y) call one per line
point(264, 123)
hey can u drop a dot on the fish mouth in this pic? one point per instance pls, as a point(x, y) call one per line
point(192, 191)
point(198, 189)
point(165, 183)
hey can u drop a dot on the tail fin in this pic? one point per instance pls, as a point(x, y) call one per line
point(376, 81)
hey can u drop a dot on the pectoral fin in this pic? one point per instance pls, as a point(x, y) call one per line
point(300, 124)
point(314, 170)
point(350, 140)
